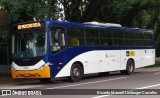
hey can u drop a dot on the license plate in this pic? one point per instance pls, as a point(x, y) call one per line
point(27, 75)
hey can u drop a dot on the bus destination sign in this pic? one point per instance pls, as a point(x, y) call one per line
point(29, 25)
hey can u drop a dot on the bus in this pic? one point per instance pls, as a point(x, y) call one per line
point(51, 49)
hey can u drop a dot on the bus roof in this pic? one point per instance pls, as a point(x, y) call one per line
point(92, 26)
point(87, 25)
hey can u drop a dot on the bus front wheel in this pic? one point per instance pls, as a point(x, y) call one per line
point(76, 72)
point(129, 67)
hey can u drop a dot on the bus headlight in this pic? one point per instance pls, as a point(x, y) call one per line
point(13, 68)
point(42, 67)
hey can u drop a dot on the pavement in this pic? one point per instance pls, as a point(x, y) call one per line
point(6, 79)
point(143, 78)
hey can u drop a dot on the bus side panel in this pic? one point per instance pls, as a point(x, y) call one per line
point(103, 60)
point(89, 61)
point(130, 54)
point(147, 57)
point(110, 60)
point(137, 59)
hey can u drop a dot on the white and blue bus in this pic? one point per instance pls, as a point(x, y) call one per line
point(52, 49)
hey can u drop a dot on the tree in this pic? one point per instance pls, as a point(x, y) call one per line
point(129, 13)
point(27, 10)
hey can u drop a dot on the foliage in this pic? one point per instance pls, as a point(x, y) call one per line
point(27, 10)
point(130, 13)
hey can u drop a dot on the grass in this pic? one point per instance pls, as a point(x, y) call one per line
point(151, 66)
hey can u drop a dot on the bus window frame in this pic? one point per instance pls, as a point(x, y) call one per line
point(50, 39)
point(84, 35)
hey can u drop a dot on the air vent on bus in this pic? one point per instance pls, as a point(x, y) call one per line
point(103, 24)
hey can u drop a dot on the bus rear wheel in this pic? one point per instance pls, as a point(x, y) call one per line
point(44, 80)
point(129, 68)
point(76, 72)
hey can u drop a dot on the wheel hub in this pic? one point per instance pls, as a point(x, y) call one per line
point(76, 72)
point(130, 67)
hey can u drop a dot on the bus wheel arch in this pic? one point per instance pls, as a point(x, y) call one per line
point(76, 71)
point(130, 66)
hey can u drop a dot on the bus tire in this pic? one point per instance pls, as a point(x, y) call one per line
point(44, 80)
point(130, 66)
point(76, 72)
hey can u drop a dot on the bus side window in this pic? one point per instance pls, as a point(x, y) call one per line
point(57, 38)
point(74, 42)
point(105, 43)
point(75, 36)
point(105, 38)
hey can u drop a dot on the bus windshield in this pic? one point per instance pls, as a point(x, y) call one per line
point(29, 43)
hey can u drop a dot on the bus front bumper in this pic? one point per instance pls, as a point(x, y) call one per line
point(44, 73)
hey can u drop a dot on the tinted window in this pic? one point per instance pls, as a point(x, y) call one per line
point(129, 38)
point(118, 38)
point(138, 35)
point(128, 35)
point(75, 37)
point(147, 42)
point(92, 38)
point(147, 36)
point(106, 38)
point(117, 34)
point(129, 42)
point(57, 39)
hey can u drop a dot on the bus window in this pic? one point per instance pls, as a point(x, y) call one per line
point(105, 38)
point(128, 38)
point(75, 37)
point(147, 36)
point(129, 42)
point(92, 37)
point(57, 39)
point(138, 35)
point(128, 35)
point(147, 42)
point(139, 39)
point(74, 41)
point(118, 38)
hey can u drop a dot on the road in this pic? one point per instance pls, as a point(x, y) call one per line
point(139, 80)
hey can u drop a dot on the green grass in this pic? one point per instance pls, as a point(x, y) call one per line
point(151, 66)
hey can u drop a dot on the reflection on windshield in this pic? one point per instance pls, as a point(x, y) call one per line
point(57, 39)
point(28, 44)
